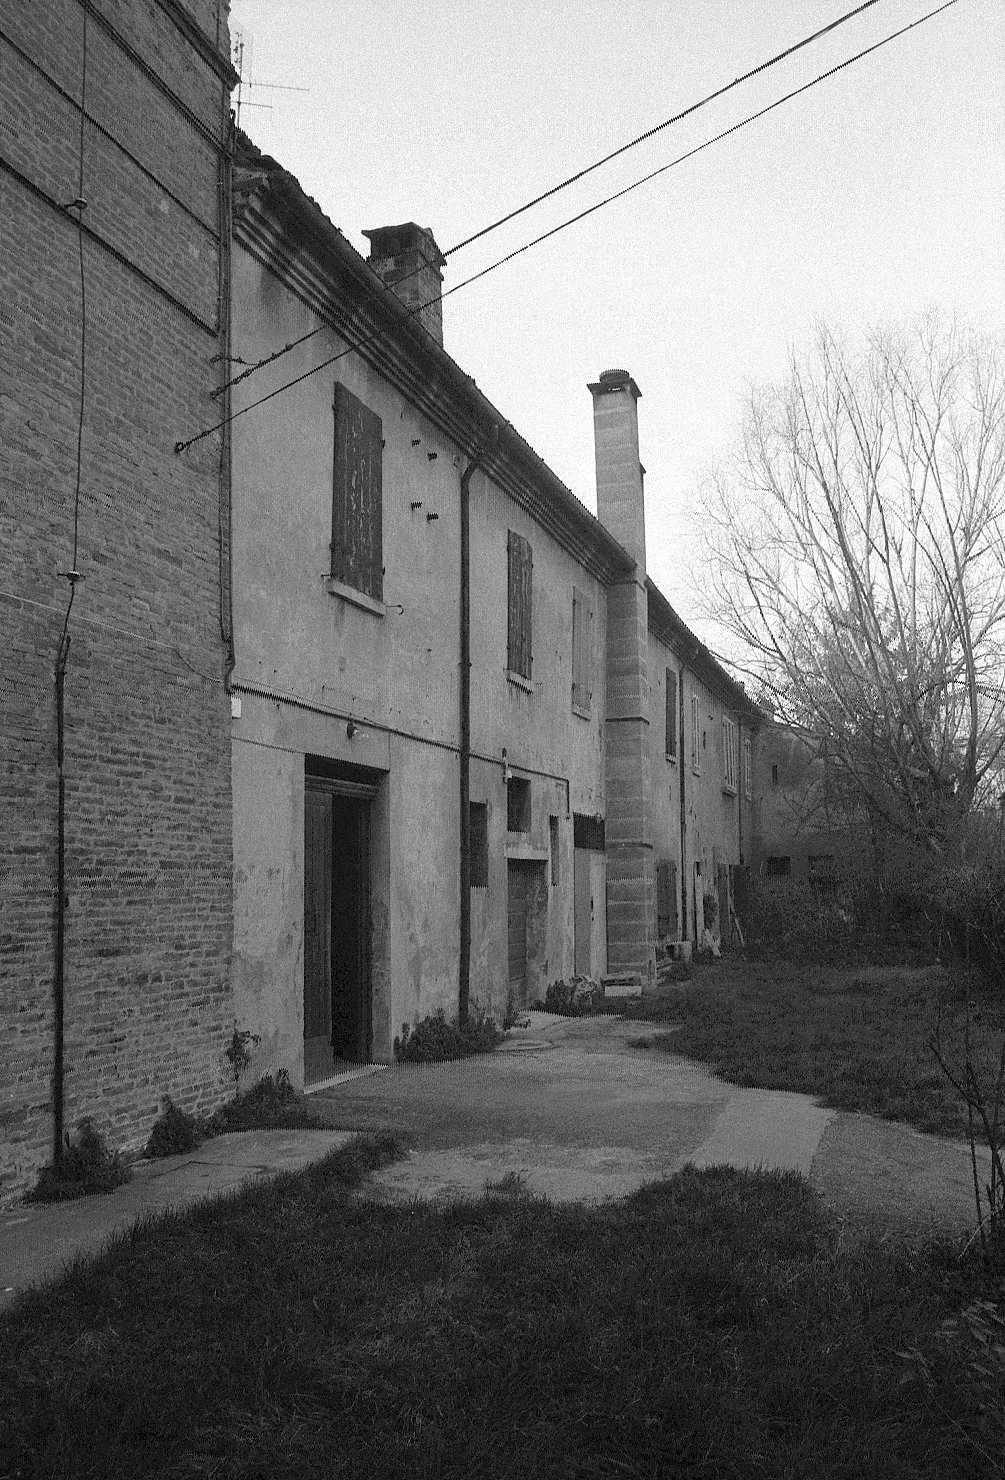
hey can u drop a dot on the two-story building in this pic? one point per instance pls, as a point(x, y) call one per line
point(394, 536)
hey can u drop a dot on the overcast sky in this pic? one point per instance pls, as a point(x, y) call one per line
point(874, 196)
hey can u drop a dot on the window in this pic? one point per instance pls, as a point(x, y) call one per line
point(582, 653)
point(774, 775)
point(728, 756)
point(518, 805)
point(521, 567)
point(777, 867)
point(479, 845)
point(748, 768)
point(671, 716)
point(356, 543)
point(695, 736)
point(666, 898)
point(823, 875)
point(553, 847)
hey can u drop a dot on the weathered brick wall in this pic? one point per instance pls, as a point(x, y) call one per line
point(148, 818)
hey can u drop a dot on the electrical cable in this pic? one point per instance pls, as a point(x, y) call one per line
point(579, 175)
point(183, 446)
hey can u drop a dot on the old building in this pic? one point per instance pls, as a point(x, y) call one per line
point(373, 486)
point(115, 910)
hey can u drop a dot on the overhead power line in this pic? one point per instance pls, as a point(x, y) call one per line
point(182, 446)
point(572, 179)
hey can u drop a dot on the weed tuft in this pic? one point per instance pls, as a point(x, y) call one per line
point(86, 1166)
point(435, 1040)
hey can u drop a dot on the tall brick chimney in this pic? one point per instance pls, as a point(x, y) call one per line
point(631, 874)
point(408, 260)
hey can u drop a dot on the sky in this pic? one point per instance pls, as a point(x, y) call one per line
point(875, 196)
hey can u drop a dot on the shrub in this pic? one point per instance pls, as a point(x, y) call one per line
point(270, 1104)
point(577, 997)
point(86, 1166)
point(434, 1039)
point(175, 1132)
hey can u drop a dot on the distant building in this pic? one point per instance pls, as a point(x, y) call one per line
point(116, 115)
point(795, 835)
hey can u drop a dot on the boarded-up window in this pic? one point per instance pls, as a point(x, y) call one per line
point(521, 567)
point(666, 898)
point(582, 652)
point(356, 544)
point(748, 768)
point(671, 716)
point(695, 735)
point(553, 847)
point(479, 844)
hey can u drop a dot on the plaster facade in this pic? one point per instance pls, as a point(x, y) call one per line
point(364, 689)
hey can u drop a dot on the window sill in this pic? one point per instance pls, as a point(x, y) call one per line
point(671, 760)
point(366, 603)
point(582, 712)
point(523, 851)
point(519, 681)
point(727, 790)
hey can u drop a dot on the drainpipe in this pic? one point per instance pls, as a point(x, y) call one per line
point(683, 811)
point(58, 985)
point(464, 984)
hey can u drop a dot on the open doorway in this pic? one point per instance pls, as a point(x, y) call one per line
point(338, 999)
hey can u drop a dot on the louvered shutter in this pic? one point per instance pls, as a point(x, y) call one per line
point(357, 544)
point(582, 651)
point(520, 566)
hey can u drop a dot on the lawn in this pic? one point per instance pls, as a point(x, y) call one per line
point(713, 1325)
point(858, 1037)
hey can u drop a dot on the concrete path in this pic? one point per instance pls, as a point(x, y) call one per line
point(38, 1239)
point(585, 1108)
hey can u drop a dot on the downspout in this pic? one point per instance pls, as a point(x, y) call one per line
point(683, 812)
point(59, 986)
point(464, 982)
point(224, 323)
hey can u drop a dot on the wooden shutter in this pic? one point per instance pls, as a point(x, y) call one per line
point(479, 845)
point(582, 651)
point(520, 568)
point(671, 715)
point(357, 544)
point(666, 898)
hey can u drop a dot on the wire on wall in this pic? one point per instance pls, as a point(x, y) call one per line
point(77, 205)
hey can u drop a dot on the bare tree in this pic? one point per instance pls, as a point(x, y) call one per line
point(860, 562)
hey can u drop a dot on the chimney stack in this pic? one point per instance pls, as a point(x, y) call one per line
point(408, 260)
point(631, 877)
point(620, 501)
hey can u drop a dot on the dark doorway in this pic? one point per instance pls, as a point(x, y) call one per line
point(527, 915)
point(337, 993)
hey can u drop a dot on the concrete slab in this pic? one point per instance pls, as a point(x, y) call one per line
point(38, 1239)
point(772, 1129)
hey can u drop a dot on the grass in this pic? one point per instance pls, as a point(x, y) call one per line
point(716, 1324)
point(858, 1037)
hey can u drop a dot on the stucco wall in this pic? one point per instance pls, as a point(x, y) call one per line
point(396, 675)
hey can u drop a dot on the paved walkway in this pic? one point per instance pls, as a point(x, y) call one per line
point(580, 1108)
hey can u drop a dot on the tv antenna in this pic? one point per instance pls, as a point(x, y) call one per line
point(243, 46)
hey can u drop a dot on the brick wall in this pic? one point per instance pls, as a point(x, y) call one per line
point(148, 819)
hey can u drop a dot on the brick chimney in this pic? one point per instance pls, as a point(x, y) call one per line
point(631, 877)
point(408, 260)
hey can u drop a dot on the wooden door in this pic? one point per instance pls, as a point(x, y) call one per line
point(518, 899)
point(318, 1064)
point(583, 909)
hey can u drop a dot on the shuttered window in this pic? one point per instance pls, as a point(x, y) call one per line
point(748, 768)
point(671, 716)
point(521, 567)
point(695, 735)
point(728, 755)
point(582, 652)
point(666, 898)
point(356, 543)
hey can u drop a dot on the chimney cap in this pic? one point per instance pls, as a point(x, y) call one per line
point(614, 380)
point(392, 241)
